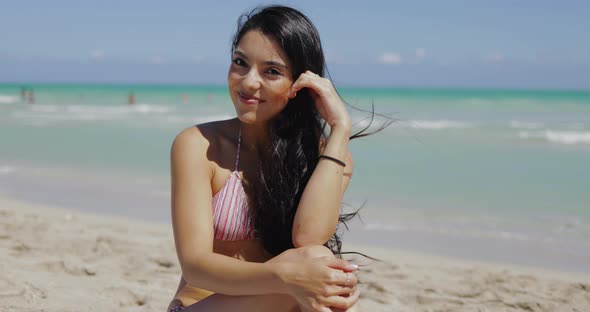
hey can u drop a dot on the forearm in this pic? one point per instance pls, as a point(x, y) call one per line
point(230, 276)
point(319, 207)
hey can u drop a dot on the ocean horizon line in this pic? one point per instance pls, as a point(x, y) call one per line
point(338, 86)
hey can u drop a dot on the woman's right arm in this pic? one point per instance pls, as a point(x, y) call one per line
point(192, 220)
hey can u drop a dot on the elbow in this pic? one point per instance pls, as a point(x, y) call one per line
point(306, 234)
point(303, 240)
point(191, 273)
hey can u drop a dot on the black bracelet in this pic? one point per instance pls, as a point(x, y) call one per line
point(338, 161)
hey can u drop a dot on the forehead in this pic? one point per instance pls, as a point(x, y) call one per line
point(259, 47)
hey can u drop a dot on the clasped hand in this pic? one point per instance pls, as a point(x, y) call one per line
point(322, 283)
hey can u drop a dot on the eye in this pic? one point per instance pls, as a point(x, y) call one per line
point(238, 61)
point(273, 72)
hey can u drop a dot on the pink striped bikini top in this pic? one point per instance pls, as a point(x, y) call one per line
point(231, 220)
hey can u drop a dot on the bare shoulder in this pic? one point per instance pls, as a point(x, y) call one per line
point(201, 143)
point(199, 137)
point(190, 141)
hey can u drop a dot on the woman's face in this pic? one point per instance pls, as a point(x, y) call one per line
point(259, 78)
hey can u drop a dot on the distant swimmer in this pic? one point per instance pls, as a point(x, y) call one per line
point(31, 96)
point(23, 94)
point(131, 99)
point(184, 98)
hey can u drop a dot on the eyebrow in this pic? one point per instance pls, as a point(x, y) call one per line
point(272, 63)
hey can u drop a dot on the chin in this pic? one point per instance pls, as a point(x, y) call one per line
point(248, 117)
point(251, 118)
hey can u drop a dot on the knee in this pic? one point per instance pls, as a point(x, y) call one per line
point(302, 253)
point(314, 251)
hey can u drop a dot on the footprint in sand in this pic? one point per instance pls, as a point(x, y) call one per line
point(433, 299)
point(165, 263)
point(103, 246)
point(584, 287)
point(34, 292)
point(6, 213)
point(126, 297)
point(20, 248)
point(69, 268)
point(376, 287)
point(10, 289)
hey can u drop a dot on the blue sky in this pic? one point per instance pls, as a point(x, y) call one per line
point(492, 44)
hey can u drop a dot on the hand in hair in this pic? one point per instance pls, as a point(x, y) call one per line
point(325, 97)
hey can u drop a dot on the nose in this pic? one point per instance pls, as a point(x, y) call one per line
point(251, 80)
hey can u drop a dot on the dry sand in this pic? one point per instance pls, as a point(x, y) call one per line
point(53, 259)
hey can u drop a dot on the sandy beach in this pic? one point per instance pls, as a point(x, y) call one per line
point(54, 259)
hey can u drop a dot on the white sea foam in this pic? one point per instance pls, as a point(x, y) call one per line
point(448, 230)
point(525, 125)
point(57, 113)
point(191, 120)
point(438, 124)
point(102, 110)
point(561, 137)
point(568, 137)
point(7, 169)
point(8, 99)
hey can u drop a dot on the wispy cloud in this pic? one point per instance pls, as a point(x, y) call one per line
point(394, 58)
point(97, 55)
point(157, 60)
point(198, 60)
point(417, 57)
point(337, 58)
point(420, 53)
point(390, 58)
point(494, 57)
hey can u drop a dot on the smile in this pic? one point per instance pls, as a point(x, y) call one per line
point(248, 99)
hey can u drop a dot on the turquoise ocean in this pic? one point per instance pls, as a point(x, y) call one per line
point(458, 169)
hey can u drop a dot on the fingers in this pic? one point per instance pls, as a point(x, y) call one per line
point(342, 290)
point(341, 273)
point(307, 80)
point(341, 302)
point(339, 288)
point(343, 265)
point(351, 280)
point(348, 280)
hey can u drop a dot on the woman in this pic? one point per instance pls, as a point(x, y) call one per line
point(256, 198)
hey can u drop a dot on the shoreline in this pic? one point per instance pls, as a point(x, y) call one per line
point(60, 259)
point(144, 199)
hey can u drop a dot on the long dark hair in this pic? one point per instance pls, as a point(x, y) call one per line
point(286, 165)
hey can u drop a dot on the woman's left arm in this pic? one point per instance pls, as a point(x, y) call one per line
point(319, 208)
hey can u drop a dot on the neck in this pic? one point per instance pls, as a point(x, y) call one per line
point(254, 136)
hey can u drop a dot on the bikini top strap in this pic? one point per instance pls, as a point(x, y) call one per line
point(239, 143)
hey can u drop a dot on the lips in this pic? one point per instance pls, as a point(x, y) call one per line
point(249, 99)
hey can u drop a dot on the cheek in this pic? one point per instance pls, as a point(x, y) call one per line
point(231, 77)
point(282, 91)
